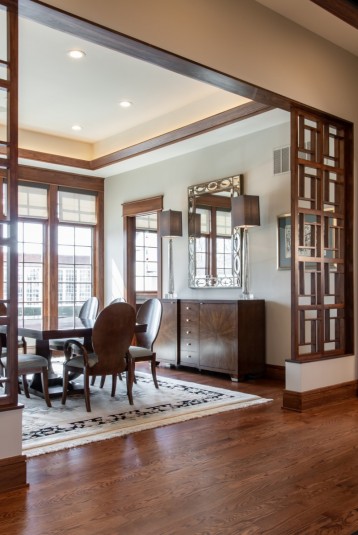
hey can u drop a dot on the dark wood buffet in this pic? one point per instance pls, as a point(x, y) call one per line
point(226, 336)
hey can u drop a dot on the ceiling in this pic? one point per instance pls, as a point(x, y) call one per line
point(57, 92)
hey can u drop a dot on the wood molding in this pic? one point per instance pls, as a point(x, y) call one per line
point(224, 118)
point(13, 473)
point(345, 10)
point(302, 401)
point(275, 372)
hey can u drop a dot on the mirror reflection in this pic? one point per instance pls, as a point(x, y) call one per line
point(214, 249)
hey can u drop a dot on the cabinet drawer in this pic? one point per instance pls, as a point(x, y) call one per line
point(189, 330)
point(189, 358)
point(189, 344)
point(189, 313)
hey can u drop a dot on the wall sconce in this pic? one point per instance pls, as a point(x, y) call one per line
point(245, 213)
point(194, 227)
point(170, 226)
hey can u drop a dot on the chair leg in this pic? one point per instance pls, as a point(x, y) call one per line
point(26, 386)
point(114, 385)
point(130, 380)
point(44, 381)
point(87, 390)
point(64, 385)
point(93, 380)
point(101, 384)
point(153, 366)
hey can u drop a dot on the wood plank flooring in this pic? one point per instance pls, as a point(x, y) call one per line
point(260, 470)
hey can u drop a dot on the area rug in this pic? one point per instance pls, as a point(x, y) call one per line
point(60, 427)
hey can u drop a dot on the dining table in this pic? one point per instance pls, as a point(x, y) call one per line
point(46, 328)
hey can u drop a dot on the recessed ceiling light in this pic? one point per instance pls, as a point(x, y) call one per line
point(76, 54)
point(76, 127)
point(125, 103)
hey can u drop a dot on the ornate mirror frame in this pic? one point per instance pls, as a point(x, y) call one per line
point(227, 187)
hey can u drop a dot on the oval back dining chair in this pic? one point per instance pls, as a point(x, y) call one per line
point(150, 313)
point(89, 311)
point(28, 364)
point(111, 337)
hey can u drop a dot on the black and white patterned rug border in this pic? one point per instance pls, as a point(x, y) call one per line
point(210, 400)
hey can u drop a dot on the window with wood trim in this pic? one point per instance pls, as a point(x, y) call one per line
point(142, 250)
point(322, 208)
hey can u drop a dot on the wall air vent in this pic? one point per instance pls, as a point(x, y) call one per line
point(281, 160)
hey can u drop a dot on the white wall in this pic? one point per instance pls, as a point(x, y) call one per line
point(252, 156)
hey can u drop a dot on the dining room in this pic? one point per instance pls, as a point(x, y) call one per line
point(73, 231)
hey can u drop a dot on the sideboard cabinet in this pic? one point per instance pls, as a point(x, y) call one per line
point(167, 343)
point(226, 336)
point(223, 336)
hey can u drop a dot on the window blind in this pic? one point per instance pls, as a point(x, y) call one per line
point(32, 201)
point(75, 207)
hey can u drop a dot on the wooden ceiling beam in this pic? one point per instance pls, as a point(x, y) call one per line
point(346, 10)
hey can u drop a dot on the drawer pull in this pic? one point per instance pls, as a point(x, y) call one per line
point(187, 308)
point(188, 344)
point(187, 320)
point(188, 356)
point(187, 332)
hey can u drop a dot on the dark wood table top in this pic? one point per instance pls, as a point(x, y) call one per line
point(49, 327)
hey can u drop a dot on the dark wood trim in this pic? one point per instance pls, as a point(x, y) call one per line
point(302, 401)
point(191, 130)
point(51, 275)
point(51, 176)
point(129, 259)
point(13, 473)
point(346, 10)
point(54, 159)
point(273, 371)
point(98, 261)
point(143, 206)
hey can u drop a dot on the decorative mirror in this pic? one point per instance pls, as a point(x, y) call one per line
point(214, 249)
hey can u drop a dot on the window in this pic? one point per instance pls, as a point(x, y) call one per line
point(75, 249)
point(142, 249)
point(146, 260)
point(30, 269)
point(75, 268)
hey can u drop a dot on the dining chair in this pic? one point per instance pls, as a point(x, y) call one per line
point(150, 313)
point(88, 310)
point(28, 364)
point(21, 340)
point(111, 337)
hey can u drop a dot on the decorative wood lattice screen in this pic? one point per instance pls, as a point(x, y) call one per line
point(320, 211)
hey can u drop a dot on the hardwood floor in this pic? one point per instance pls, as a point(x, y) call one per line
point(260, 470)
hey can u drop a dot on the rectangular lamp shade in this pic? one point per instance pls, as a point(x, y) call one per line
point(170, 224)
point(194, 229)
point(245, 211)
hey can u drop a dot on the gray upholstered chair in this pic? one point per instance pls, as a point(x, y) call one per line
point(111, 337)
point(89, 310)
point(150, 312)
point(28, 364)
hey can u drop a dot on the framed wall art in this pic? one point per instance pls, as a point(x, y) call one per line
point(284, 241)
